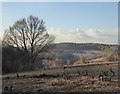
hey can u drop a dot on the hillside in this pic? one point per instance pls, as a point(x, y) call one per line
point(61, 54)
point(73, 51)
point(69, 53)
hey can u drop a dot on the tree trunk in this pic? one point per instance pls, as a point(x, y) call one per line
point(31, 62)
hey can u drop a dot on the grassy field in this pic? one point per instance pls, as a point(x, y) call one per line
point(79, 79)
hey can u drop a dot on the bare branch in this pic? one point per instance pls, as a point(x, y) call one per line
point(30, 36)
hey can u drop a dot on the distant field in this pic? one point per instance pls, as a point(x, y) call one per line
point(67, 80)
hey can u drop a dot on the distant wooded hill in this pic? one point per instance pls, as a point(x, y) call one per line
point(82, 46)
point(73, 51)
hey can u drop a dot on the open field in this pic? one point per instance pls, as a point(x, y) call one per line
point(76, 79)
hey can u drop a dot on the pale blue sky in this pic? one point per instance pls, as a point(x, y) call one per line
point(68, 17)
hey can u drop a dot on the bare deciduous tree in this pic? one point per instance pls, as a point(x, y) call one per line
point(28, 35)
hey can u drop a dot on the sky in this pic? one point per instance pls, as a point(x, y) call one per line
point(80, 22)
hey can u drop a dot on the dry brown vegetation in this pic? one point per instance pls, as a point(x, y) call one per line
point(63, 80)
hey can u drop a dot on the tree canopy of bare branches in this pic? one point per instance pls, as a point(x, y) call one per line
point(28, 35)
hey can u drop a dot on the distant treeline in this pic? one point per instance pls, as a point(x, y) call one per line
point(83, 46)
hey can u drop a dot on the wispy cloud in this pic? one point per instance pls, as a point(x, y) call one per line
point(77, 35)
